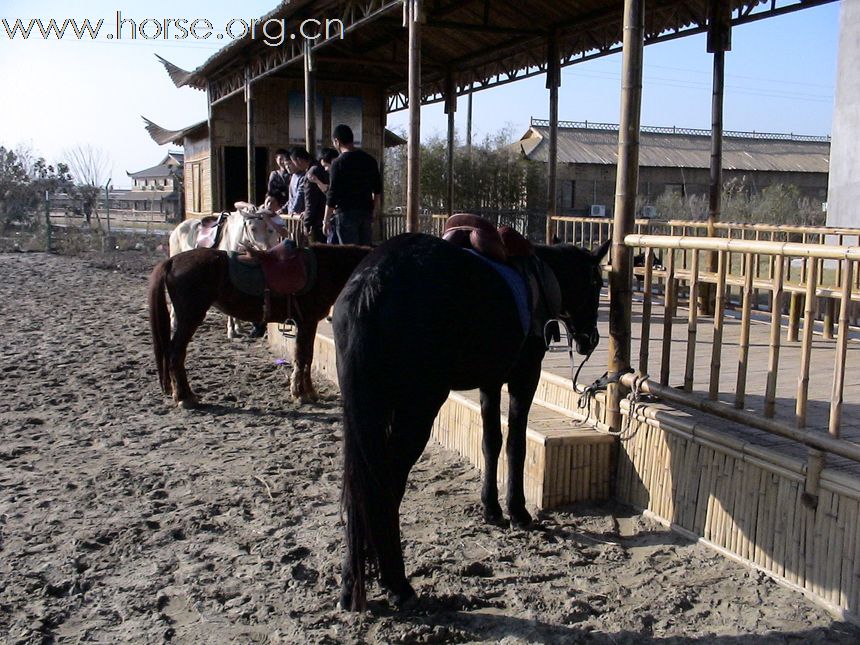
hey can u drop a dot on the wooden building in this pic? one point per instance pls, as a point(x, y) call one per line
point(674, 160)
point(156, 190)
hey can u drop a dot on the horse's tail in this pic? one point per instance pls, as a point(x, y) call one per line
point(159, 322)
point(368, 498)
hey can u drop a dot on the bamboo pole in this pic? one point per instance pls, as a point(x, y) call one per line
point(627, 178)
point(745, 246)
point(451, 110)
point(668, 306)
point(827, 326)
point(249, 141)
point(806, 346)
point(837, 393)
point(775, 328)
point(553, 82)
point(744, 344)
point(719, 312)
point(647, 297)
point(692, 323)
point(412, 14)
point(310, 99)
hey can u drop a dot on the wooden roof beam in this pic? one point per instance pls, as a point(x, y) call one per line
point(484, 28)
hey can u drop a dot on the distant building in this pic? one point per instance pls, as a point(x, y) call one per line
point(675, 160)
point(157, 189)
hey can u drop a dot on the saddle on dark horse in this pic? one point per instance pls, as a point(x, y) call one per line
point(533, 285)
point(284, 270)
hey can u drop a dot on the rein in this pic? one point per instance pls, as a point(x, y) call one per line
point(587, 393)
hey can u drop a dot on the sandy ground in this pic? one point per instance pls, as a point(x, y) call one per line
point(125, 519)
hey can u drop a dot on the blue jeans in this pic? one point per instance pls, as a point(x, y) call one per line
point(354, 227)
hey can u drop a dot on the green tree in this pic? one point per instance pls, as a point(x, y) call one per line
point(24, 185)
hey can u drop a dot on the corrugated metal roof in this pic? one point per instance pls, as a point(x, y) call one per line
point(600, 146)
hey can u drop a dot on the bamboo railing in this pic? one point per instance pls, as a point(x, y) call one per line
point(683, 273)
point(592, 231)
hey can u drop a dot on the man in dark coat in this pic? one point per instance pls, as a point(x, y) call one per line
point(355, 191)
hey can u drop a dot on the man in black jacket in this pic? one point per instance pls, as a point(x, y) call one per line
point(354, 192)
point(313, 199)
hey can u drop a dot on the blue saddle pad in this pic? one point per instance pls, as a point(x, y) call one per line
point(517, 284)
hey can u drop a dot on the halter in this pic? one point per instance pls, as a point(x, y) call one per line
point(587, 393)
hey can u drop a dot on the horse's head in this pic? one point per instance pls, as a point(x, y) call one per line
point(249, 228)
point(580, 281)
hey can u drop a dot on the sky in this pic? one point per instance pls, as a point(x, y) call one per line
point(58, 94)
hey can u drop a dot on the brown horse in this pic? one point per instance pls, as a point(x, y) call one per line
point(199, 279)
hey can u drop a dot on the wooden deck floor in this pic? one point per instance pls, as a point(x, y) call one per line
point(820, 382)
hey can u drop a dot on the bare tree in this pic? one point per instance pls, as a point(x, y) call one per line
point(90, 167)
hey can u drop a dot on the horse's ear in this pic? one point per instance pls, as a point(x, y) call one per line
point(600, 252)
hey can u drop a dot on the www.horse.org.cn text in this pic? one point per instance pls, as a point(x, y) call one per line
point(274, 32)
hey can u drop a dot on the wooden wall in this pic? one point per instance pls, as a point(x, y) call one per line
point(272, 119)
point(197, 173)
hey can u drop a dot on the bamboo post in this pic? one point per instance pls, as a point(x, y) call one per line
point(829, 311)
point(837, 394)
point(249, 131)
point(627, 179)
point(806, 347)
point(791, 333)
point(668, 306)
point(450, 110)
point(646, 310)
point(553, 82)
point(744, 344)
point(310, 99)
point(412, 16)
point(719, 312)
point(775, 329)
point(692, 323)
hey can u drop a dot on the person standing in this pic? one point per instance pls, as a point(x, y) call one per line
point(279, 179)
point(354, 192)
point(319, 175)
point(312, 198)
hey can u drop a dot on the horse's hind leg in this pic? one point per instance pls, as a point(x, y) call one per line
point(186, 324)
point(301, 385)
point(411, 426)
point(521, 388)
point(491, 446)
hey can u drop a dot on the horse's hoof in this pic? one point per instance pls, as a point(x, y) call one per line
point(405, 600)
point(188, 404)
point(520, 519)
point(344, 603)
point(493, 514)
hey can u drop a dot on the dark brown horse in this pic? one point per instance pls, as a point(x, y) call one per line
point(199, 279)
point(418, 318)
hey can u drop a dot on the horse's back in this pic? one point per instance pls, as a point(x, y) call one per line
point(184, 236)
point(421, 308)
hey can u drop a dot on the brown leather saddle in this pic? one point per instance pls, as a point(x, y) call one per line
point(287, 269)
point(474, 232)
point(507, 246)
